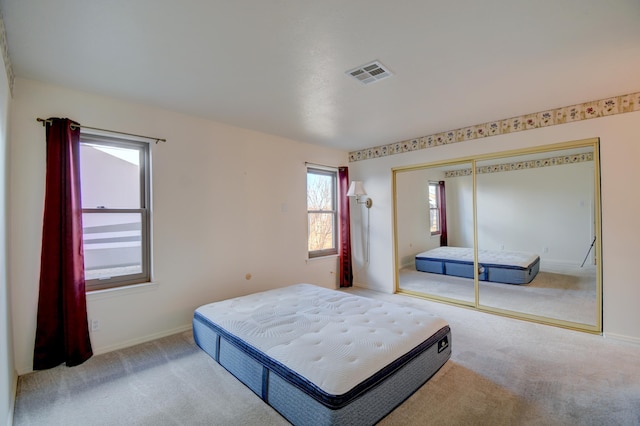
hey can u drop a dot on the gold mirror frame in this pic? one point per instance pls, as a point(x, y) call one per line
point(472, 162)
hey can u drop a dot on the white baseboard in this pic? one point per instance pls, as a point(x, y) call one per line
point(12, 397)
point(373, 288)
point(98, 350)
point(138, 340)
point(622, 337)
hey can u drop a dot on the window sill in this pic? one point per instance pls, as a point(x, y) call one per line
point(121, 291)
point(329, 256)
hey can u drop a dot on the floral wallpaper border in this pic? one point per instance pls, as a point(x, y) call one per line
point(523, 165)
point(585, 111)
point(5, 53)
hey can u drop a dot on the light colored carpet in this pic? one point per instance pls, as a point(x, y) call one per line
point(559, 292)
point(502, 372)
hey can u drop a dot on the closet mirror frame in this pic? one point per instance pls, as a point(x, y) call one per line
point(596, 248)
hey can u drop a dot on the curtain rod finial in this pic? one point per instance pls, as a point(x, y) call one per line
point(43, 121)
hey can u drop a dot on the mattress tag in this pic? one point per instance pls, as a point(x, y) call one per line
point(443, 344)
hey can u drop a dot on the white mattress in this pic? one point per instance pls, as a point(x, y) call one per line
point(485, 257)
point(332, 339)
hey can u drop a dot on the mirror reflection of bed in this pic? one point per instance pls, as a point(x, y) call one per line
point(541, 204)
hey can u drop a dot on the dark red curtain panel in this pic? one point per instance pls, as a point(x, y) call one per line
point(62, 333)
point(443, 213)
point(346, 278)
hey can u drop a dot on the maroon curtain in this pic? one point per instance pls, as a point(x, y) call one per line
point(62, 333)
point(346, 278)
point(442, 202)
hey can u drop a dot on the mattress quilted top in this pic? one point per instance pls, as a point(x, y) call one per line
point(332, 338)
point(494, 257)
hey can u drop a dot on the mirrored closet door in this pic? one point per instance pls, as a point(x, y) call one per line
point(434, 210)
point(512, 233)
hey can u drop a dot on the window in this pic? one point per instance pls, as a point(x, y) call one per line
point(434, 208)
point(322, 211)
point(114, 177)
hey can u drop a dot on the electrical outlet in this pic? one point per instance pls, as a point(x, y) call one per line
point(95, 325)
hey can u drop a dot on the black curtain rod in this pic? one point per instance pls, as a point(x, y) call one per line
point(73, 126)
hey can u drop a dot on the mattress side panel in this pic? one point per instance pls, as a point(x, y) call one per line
point(511, 275)
point(244, 367)
point(368, 408)
point(458, 269)
point(206, 338)
point(432, 266)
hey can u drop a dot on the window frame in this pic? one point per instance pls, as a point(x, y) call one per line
point(437, 208)
point(144, 211)
point(333, 173)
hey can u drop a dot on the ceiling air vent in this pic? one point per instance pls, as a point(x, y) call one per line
point(370, 73)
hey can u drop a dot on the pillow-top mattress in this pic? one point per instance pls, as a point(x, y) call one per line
point(512, 259)
point(330, 345)
point(509, 267)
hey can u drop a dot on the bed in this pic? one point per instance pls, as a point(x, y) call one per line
point(321, 356)
point(508, 267)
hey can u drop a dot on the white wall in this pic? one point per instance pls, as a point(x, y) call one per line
point(620, 152)
point(227, 202)
point(459, 193)
point(547, 211)
point(8, 377)
point(414, 234)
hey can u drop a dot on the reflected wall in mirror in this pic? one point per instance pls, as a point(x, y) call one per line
point(535, 233)
point(434, 207)
point(539, 211)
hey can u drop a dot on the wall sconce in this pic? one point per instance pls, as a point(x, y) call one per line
point(356, 189)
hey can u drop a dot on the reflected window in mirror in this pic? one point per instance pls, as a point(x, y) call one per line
point(437, 210)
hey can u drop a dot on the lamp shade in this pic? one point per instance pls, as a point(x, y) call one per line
point(356, 189)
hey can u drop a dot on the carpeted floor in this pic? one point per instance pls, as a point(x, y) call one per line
point(558, 292)
point(502, 372)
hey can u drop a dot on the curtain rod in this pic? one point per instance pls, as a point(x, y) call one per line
point(308, 163)
point(73, 126)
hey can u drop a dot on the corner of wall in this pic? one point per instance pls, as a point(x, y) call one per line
point(13, 393)
point(9, 384)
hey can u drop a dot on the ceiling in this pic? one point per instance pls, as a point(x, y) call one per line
point(279, 66)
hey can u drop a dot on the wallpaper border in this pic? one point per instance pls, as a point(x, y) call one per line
point(5, 53)
point(585, 111)
point(524, 165)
